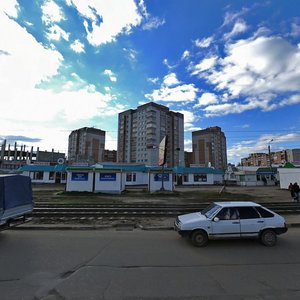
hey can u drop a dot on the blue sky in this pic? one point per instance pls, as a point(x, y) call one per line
point(75, 63)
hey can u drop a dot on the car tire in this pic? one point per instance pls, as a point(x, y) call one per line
point(268, 238)
point(199, 238)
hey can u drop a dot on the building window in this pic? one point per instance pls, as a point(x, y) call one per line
point(51, 176)
point(38, 175)
point(130, 177)
point(200, 177)
point(185, 178)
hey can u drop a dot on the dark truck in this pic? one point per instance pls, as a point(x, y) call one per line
point(15, 200)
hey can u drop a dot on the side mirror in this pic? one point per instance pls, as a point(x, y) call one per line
point(216, 219)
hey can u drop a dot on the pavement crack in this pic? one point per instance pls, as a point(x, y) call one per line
point(9, 280)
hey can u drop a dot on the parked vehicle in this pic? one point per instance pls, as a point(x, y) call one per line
point(15, 200)
point(231, 220)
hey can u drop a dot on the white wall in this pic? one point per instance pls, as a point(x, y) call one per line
point(141, 178)
point(156, 185)
point(288, 175)
point(109, 182)
point(79, 185)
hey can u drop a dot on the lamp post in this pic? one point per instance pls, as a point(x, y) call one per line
point(269, 150)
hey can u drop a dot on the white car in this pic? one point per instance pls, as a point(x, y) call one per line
point(231, 220)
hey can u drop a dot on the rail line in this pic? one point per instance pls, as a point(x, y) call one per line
point(52, 211)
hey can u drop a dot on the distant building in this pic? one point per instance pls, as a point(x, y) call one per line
point(188, 158)
point(277, 158)
point(209, 148)
point(86, 145)
point(293, 156)
point(16, 156)
point(141, 130)
point(256, 159)
point(110, 156)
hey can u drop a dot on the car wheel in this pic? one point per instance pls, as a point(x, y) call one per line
point(268, 238)
point(199, 238)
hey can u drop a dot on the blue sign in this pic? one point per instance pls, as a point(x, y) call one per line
point(158, 176)
point(80, 176)
point(108, 177)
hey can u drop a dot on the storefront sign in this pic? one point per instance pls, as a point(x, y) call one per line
point(108, 177)
point(158, 176)
point(80, 176)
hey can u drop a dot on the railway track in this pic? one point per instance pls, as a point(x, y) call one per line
point(53, 212)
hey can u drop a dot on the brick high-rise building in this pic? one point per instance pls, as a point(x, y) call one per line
point(141, 130)
point(86, 145)
point(209, 148)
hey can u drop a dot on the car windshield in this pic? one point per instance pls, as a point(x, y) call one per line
point(210, 210)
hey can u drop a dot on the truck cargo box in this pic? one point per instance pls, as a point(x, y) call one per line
point(15, 199)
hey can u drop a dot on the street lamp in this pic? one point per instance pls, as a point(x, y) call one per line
point(269, 149)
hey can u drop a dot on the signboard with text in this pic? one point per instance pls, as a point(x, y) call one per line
point(159, 176)
point(80, 176)
point(108, 177)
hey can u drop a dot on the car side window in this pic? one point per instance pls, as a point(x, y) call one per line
point(264, 213)
point(248, 213)
point(227, 213)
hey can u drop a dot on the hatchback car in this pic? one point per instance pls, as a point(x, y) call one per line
point(231, 220)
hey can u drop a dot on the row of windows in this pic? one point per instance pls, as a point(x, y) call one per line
point(233, 213)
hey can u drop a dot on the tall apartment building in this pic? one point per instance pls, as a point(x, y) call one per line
point(141, 130)
point(209, 147)
point(86, 145)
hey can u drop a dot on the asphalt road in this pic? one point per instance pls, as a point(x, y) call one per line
point(139, 264)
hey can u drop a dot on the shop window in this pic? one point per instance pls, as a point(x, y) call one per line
point(200, 177)
point(38, 175)
point(51, 175)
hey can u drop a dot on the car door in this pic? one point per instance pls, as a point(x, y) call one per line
point(226, 223)
point(251, 222)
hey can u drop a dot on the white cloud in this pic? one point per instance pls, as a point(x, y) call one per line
point(171, 80)
point(205, 64)
point(244, 148)
point(185, 54)
point(77, 46)
point(253, 67)
point(207, 99)
point(10, 8)
point(204, 43)
point(189, 119)
point(153, 23)
point(111, 75)
point(52, 13)
point(153, 80)
point(28, 109)
point(181, 93)
point(56, 33)
point(105, 20)
point(239, 27)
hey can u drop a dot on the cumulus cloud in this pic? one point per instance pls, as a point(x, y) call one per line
point(204, 43)
point(52, 13)
point(207, 99)
point(206, 64)
point(256, 66)
point(244, 148)
point(252, 74)
point(111, 75)
point(28, 109)
point(77, 46)
point(171, 80)
point(180, 93)
point(56, 33)
point(105, 20)
point(239, 27)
